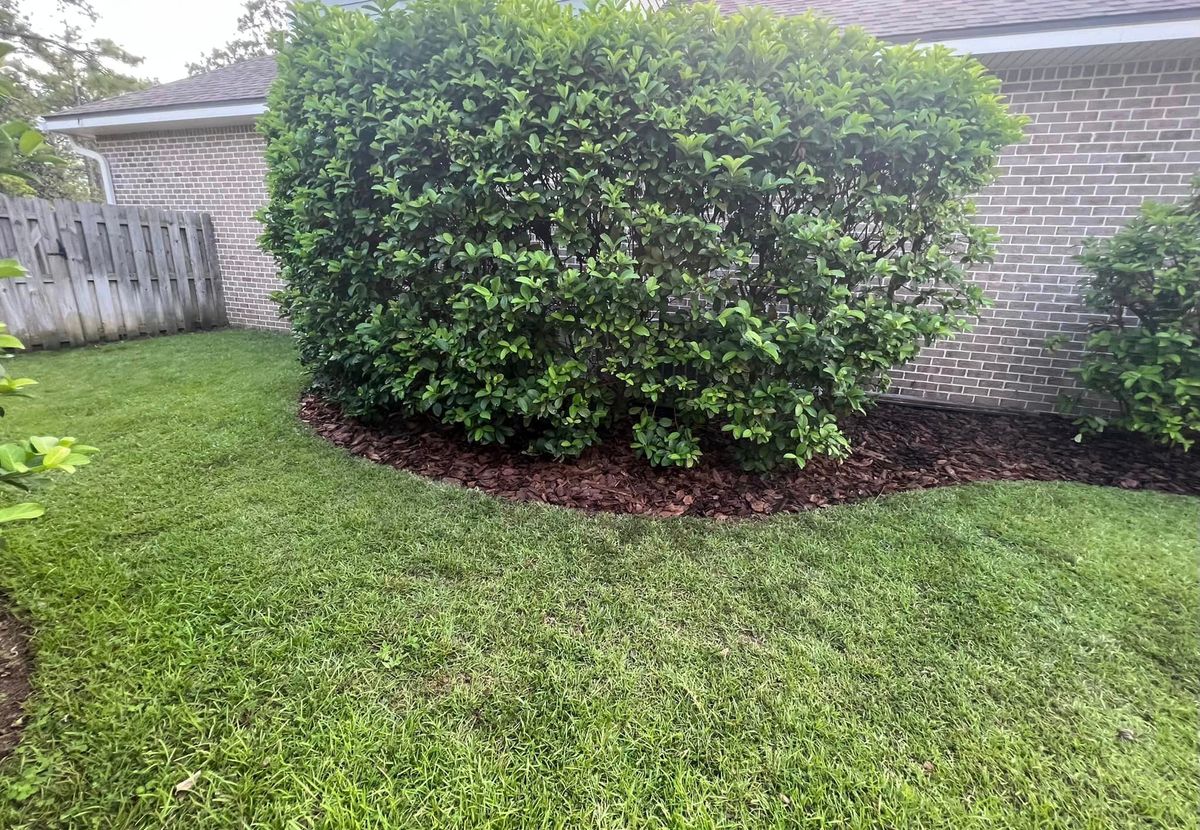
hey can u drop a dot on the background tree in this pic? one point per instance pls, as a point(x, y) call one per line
point(259, 27)
point(53, 70)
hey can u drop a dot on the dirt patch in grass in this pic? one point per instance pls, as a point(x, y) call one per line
point(15, 669)
point(896, 447)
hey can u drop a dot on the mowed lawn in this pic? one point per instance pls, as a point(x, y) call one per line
point(334, 644)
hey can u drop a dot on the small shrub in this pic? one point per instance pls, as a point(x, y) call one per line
point(1145, 354)
point(25, 465)
point(534, 222)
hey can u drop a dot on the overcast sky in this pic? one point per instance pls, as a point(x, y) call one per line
point(167, 33)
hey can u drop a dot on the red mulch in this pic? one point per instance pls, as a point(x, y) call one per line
point(15, 668)
point(896, 447)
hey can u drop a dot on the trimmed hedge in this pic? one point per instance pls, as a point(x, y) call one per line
point(1145, 353)
point(534, 222)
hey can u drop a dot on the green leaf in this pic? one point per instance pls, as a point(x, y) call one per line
point(55, 457)
point(13, 386)
point(13, 458)
point(30, 141)
point(21, 512)
point(42, 444)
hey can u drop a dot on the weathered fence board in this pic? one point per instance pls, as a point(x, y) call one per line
point(106, 272)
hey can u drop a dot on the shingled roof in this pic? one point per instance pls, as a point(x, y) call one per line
point(245, 81)
point(916, 18)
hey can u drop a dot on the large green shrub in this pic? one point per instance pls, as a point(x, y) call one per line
point(529, 220)
point(1145, 353)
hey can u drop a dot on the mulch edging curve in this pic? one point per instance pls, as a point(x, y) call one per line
point(896, 447)
point(16, 666)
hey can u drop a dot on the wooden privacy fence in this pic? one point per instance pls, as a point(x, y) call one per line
point(106, 272)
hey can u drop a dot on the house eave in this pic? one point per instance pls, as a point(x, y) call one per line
point(1075, 37)
point(157, 119)
point(1028, 27)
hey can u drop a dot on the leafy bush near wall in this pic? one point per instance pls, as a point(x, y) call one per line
point(1146, 352)
point(533, 222)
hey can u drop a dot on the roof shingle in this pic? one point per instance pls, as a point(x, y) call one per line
point(245, 81)
point(912, 18)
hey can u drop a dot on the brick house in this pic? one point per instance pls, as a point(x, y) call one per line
point(1111, 89)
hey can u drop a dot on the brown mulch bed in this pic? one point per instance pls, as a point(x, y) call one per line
point(15, 668)
point(896, 447)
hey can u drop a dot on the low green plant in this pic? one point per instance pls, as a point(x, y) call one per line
point(535, 222)
point(1145, 352)
point(25, 465)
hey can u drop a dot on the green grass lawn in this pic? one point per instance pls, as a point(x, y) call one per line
point(334, 644)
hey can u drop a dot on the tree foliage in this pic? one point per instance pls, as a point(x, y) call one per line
point(1145, 353)
point(48, 71)
point(24, 151)
point(260, 28)
point(533, 222)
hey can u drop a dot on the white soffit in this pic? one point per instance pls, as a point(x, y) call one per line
point(164, 118)
point(1075, 38)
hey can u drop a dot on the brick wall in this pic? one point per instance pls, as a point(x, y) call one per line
point(1102, 139)
point(218, 170)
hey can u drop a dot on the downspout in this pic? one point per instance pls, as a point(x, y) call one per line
point(110, 195)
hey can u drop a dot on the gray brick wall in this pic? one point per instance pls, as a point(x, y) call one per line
point(1101, 140)
point(218, 170)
